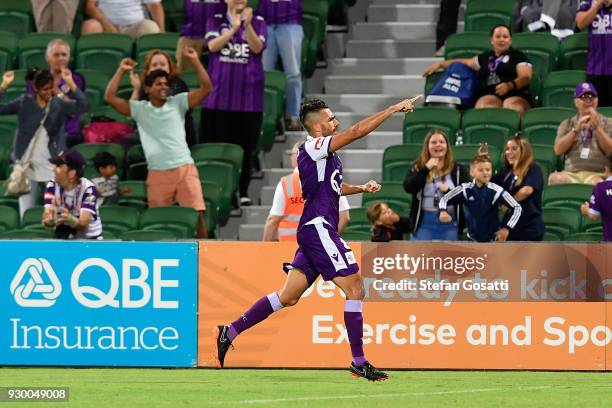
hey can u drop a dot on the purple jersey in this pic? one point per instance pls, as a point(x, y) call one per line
point(72, 126)
point(197, 13)
point(321, 178)
point(599, 60)
point(601, 205)
point(84, 197)
point(280, 11)
point(236, 72)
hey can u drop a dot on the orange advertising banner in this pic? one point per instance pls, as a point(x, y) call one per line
point(463, 334)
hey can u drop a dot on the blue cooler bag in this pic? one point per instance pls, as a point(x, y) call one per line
point(458, 86)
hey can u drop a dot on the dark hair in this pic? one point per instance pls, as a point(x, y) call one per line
point(158, 73)
point(103, 159)
point(496, 26)
point(39, 77)
point(313, 105)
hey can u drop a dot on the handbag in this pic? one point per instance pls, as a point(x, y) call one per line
point(18, 182)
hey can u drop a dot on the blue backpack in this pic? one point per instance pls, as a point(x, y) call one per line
point(458, 86)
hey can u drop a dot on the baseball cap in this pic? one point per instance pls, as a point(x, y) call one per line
point(73, 158)
point(583, 88)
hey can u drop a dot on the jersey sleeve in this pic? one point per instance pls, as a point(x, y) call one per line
point(585, 5)
point(317, 148)
point(595, 203)
point(90, 198)
point(261, 29)
point(534, 178)
point(514, 209)
point(49, 195)
point(213, 28)
point(343, 204)
point(519, 58)
point(453, 197)
point(278, 203)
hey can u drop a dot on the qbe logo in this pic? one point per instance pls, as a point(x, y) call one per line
point(35, 279)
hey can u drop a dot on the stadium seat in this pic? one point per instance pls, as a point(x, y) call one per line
point(16, 17)
point(573, 51)
point(541, 49)
point(8, 201)
point(466, 45)
point(540, 124)
point(432, 80)
point(103, 51)
point(119, 218)
point(190, 79)
point(219, 152)
point(353, 235)
point(8, 124)
point(32, 48)
point(559, 86)
point(133, 193)
point(136, 163)
point(491, 125)
point(481, 15)
point(394, 195)
point(593, 228)
point(320, 10)
point(552, 236)
point(27, 234)
point(606, 111)
point(463, 154)
point(32, 217)
point(89, 150)
point(272, 112)
point(9, 218)
point(277, 81)
point(418, 123)
point(212, 196)
point(161, 41)
point(358, 220)
point(566, 195)
point(180, 219)
point(8, 50)
point(565, 220)
point(135, 154)
point(545, 156)
point(310, 43)
point(585, 237)
point(95, 86)
point(222, 174)
point(148, 235)
point(397, 160)
point(18, 87)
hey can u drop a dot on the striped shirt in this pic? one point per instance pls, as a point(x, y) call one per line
point(281, 11)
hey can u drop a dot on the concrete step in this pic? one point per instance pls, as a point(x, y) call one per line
point(354, 158)
point(379, 66)
point(375, 140)
point(406, 12)
point(396, 31)
point(401, 85)
point(390, 48)
point(360, 103)
point(255, 214)
point(251, 232)
point(350, 175)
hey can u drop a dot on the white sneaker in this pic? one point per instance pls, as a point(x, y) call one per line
point(440, 52)
point(245, 201)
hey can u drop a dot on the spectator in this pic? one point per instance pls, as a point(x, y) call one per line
point(447, 23)
point(432, 175)
point(285, 34)
point(71, 201)
point(386, 224)
point(600, 205)
point(55, 16)
point(288, 206)
point(523, 179)
point(58, 58)
point(233, 112)
point(40, 120)
point(482, 199)
point(157, 59)
point(197, 13)
point(124, 16)
point(505, 73)
point(172, 173)
point(584, 139)
point(107, 182)
point(556, 16)
point(597, 15)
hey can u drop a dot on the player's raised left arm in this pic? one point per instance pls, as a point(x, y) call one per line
point(366, 126)
point(369, 187)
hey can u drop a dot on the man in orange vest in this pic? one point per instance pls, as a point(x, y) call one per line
point(288, 205)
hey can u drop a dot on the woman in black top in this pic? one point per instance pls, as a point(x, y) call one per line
point(505, 73)
point(522, 178)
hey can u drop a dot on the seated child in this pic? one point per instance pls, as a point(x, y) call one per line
point(107, 182)
point(386, 224)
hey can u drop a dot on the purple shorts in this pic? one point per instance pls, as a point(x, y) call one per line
point(323, 252)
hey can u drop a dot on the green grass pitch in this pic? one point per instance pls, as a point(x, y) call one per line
point(94, 387)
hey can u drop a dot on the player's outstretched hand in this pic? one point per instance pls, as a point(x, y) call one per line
point(371, 187)
point(407, 105)
point(502, 235)
point(445, 217)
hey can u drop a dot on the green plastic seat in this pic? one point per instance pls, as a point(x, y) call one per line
point(96, 82)
point(585, 237)
point(8, 124)
point(418, 123)
point(135, 154)
point(277, 81)
point(466, 45)
point(272, 113)
point(545, 156)
point(431, 80)
point(542, 50)
point(566, 195)
point(491, 125)
point(8, 50)
point(161, 41)
point(16, 17)
point(9, 218)
point(133, 193)
point(222, 174)
point(119, 218)
point(552, 236)
point(394, 195)
point(310, 43)
point(574, 50)
point(148, 235)
point(220, 152)
point(27, 234)
point(32, 217)
point(8, 201)
point(212, 197)
point(89, 151)
point(606, 111)
point(558, 88)
point(18, 87)
point(593, 228)
point(136, 163)
point(482, 15)
point(397, 160)
point(176, 218)
point(354, 235)
point(563, 219)
point(33, 46)
point(540, 124)
point(320, 10)
point(463, 154)
point(103, 51)
point(358, 220)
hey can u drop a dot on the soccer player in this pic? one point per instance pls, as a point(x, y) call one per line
point(321, 251)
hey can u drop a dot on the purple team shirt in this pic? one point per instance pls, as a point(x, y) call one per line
point(236, 72)
point(197, 13)
point(280, 11)
point(599, 60)
point(601, 205)
point(72, 126)
point(321, 178)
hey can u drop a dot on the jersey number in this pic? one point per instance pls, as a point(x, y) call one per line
point(336, 186)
